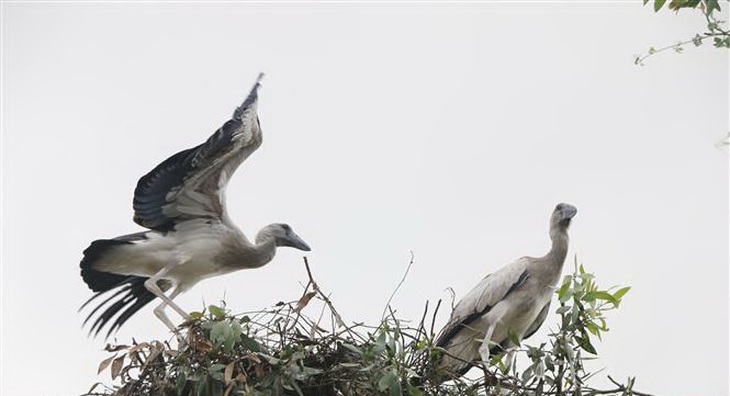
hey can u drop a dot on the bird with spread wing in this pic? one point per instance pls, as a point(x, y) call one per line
point(190, 237)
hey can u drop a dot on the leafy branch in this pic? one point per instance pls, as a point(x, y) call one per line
point(283, 351)
point(715, 31)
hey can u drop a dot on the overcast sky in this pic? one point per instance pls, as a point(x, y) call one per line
point(449, 130)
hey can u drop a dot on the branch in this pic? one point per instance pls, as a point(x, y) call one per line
point(322, 296)
point(405, 274)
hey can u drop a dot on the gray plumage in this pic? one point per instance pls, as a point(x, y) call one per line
point(191, 237)
point(514, 299)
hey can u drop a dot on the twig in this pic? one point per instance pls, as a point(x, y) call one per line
point(435, 311)
point(421, 328)
point(403, 279)
point(639, 59)
point(322, 296)
point(621, 388)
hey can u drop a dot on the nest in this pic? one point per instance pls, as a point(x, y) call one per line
point(279, 351)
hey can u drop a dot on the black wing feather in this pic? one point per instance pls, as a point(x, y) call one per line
point(153, 190)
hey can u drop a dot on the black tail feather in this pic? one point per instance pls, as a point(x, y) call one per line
point(99, 280)
point(129, 292)
point(130, 296)
point(100, 305)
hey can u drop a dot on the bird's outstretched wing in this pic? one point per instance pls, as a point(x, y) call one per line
point(191, 183)
point(494, 288)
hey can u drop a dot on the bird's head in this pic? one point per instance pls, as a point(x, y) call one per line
point(283, 235)
point(562, 214)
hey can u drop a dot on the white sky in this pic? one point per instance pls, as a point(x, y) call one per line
point(451, 130)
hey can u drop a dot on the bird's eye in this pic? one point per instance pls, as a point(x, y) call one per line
point(559, 207)
point(286, 227)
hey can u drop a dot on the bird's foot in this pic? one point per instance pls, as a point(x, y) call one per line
point(484, 351)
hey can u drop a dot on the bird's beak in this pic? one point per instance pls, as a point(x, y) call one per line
point(294, 241)
point(568, 212)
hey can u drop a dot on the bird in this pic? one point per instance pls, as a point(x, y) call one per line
point(190, 236)
point(511, 302)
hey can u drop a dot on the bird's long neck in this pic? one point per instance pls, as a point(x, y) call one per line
point(559, 249)
point(264, 249)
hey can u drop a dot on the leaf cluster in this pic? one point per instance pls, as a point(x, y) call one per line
point(716, 30)
point(281, 351)
point(558, 366)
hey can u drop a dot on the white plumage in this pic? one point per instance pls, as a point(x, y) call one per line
point(515, 299)
point(191, 237)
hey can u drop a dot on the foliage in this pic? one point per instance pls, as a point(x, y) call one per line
point(280, 351)
point(716, 30)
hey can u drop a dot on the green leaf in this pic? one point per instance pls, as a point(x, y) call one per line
point(380, 342)
point(202, 387)
point(527, 374)
point(216, 371)
point(250, 343)
point(180, 383)
point(621, 292)
point(658, 4)
point(549, 363)
point(584, 343)
point(222, 334)
point(272, 360)
point(352, 348)
point(697, 40)
point(563, 309)
point(395, 389)
point(513, 338)
point(414, 391)
point(216, 311)
point(348, 365)
point(604, 295)
point(593, 329)
point(564, 287)
point(387, 380)
point(567, 294)
point(712, 5)
point(497, 361)
point(539, 370)
point(603, 327)
point(574, 313)
point(568, 349)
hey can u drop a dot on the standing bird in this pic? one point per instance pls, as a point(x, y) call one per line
point(191, 237)
point(513, 300)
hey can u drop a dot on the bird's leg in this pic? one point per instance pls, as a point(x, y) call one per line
point(162, 316)
point(489, 379)
point(160, 311)
point(510, 357)
point(486, 345)
point(151, 285)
